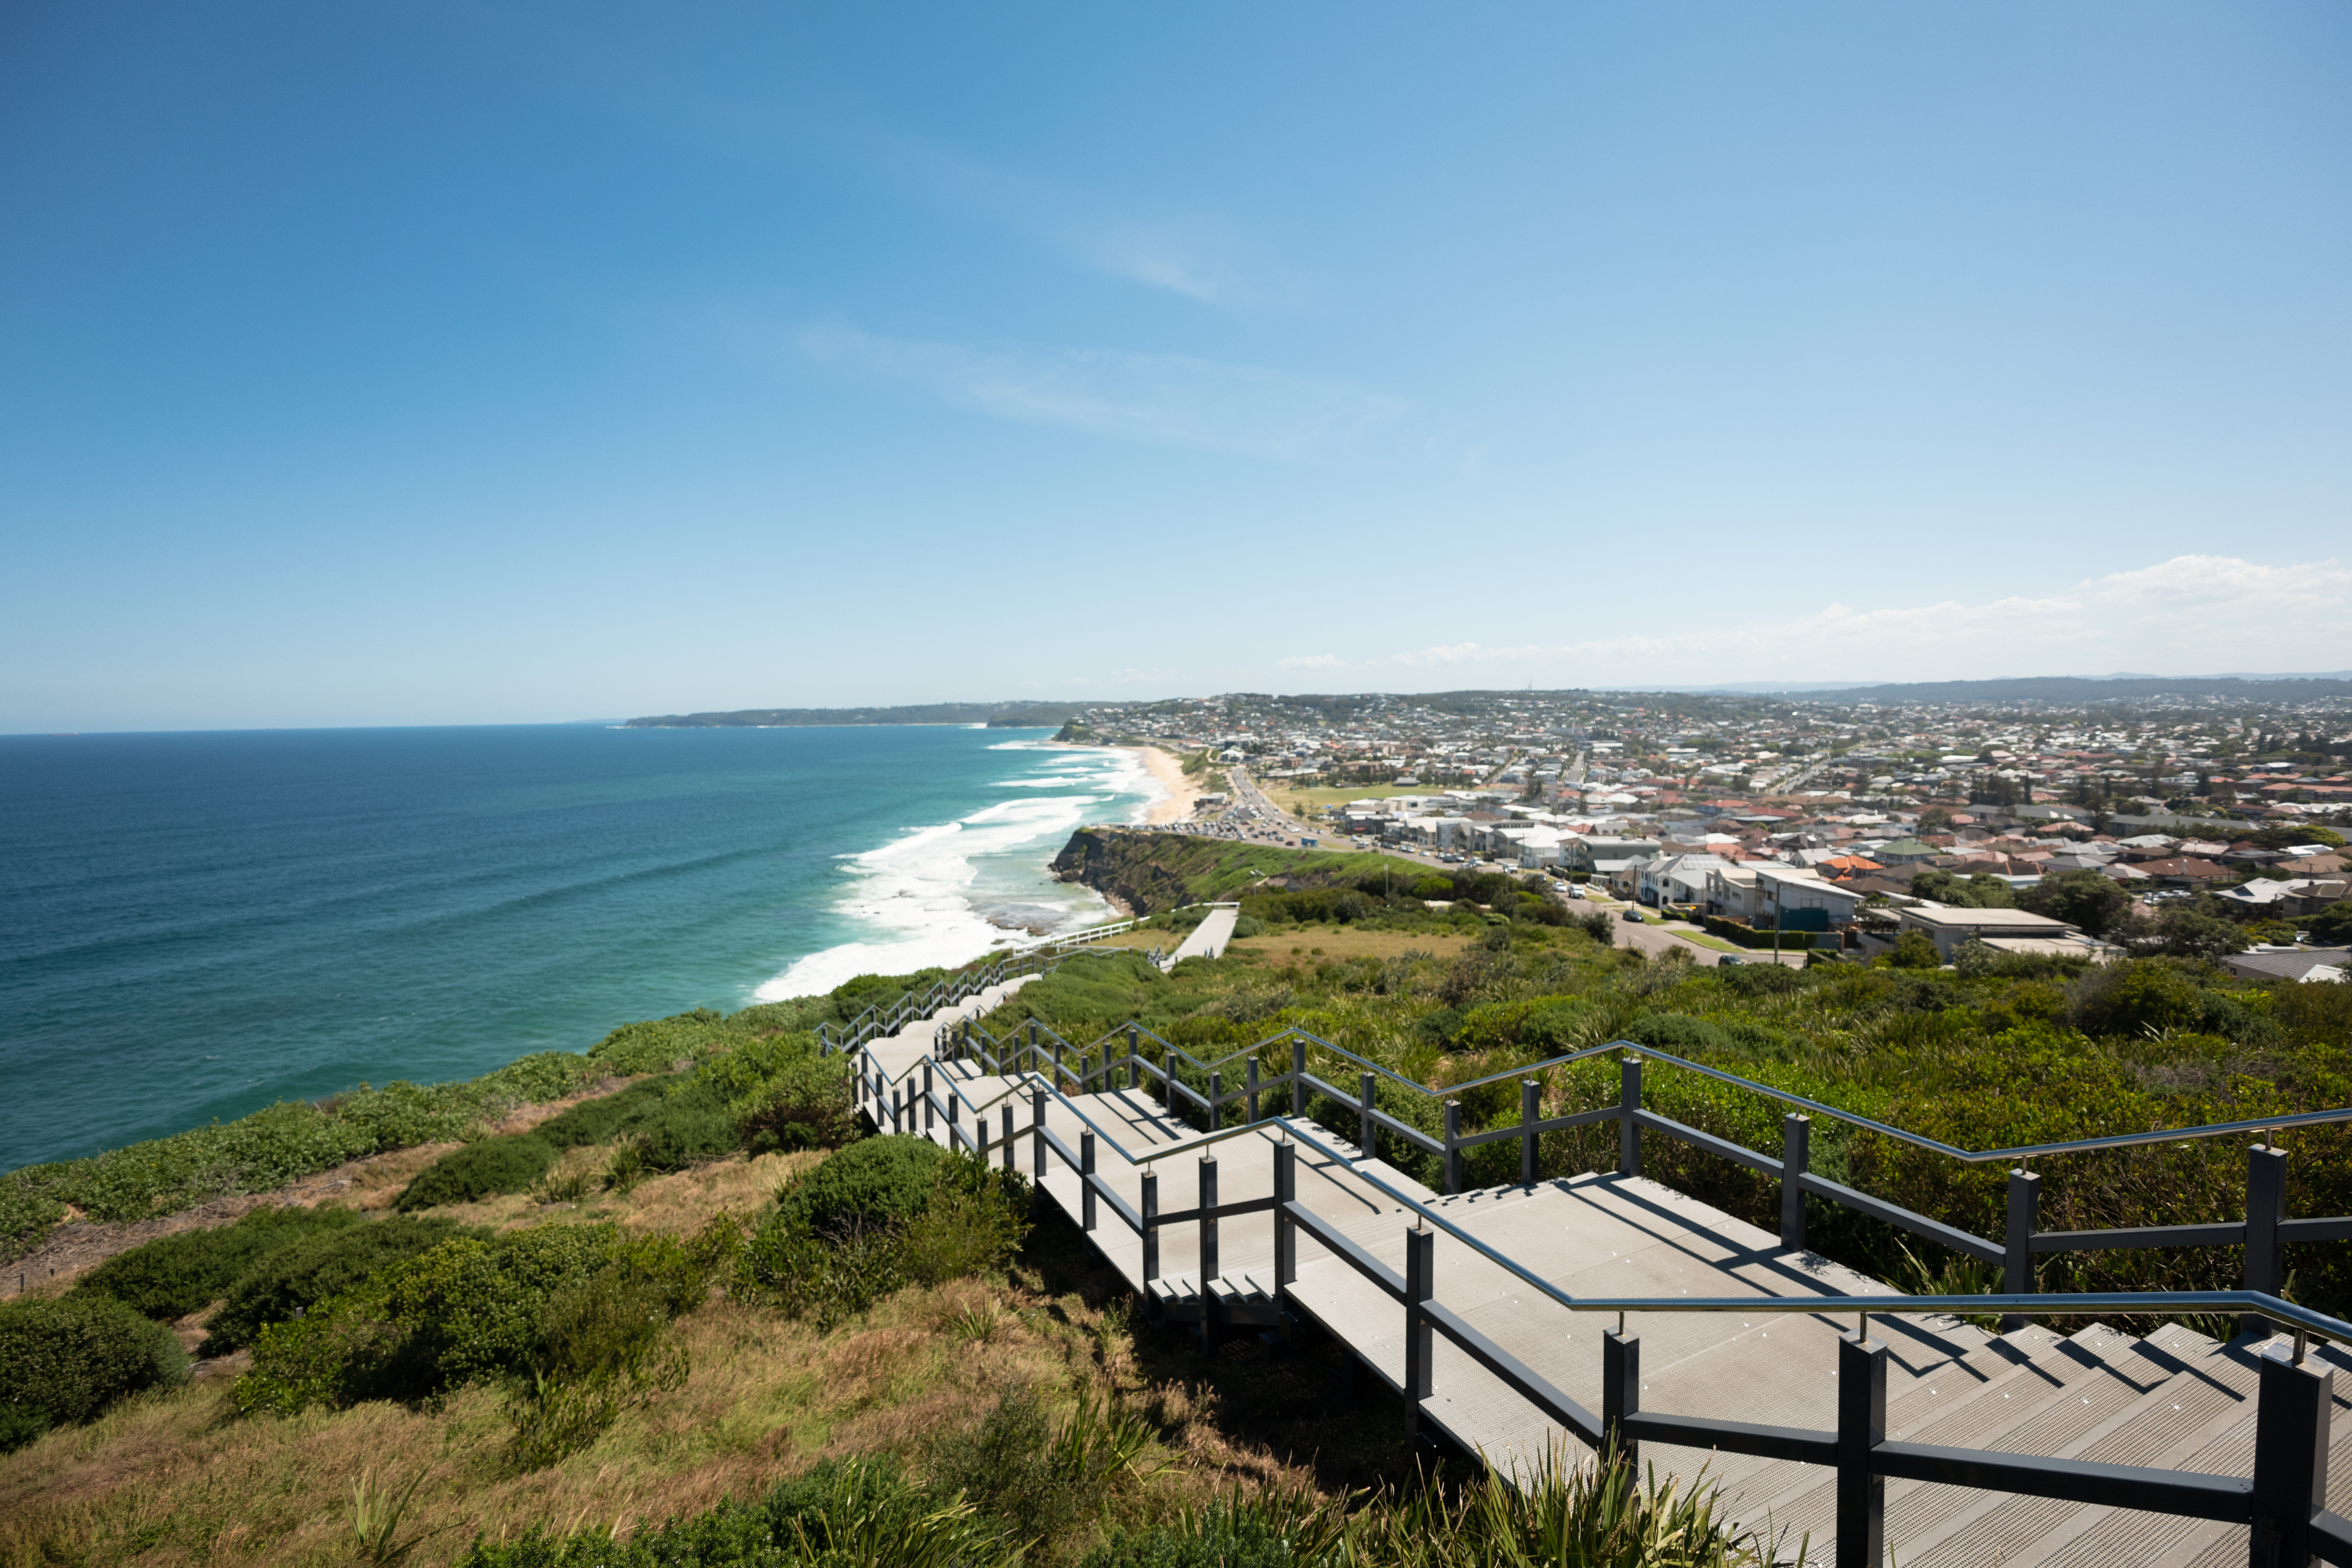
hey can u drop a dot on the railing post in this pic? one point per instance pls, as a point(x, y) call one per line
point(1286, 1230)
point(1796, 1155)
point(1006, 1120)
point(1862, 1427)
point(1059, 1073)
point(1037, 1137)
point(1531, 1097)
point(930, 1106)
point(1149, 1213)
point(1419, 1337)
point(1134, 1062)
point(1364, 1115)
point(955, 1130)
point(1087, 1179)
point(2017, 1247)
point(1452, 1145)
point(1250, 1081)
point(1629, 1109)
point(2290, 1432)
point(1620, 1394)
point(2265, 1206)
point(897, 1095)
point(1209, 1266)
point(1030, 1059)
point(1216, 1102)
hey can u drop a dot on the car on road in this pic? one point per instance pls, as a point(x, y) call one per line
point(1730, 958)
point(1575, 891)
point(1635, 916)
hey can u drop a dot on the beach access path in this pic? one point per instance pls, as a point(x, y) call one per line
point(1208, 939)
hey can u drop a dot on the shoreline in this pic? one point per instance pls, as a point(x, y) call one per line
point(1169, 774)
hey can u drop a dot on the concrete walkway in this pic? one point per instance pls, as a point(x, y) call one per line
point(1208, 939)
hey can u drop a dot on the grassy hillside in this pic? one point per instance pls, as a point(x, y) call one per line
point(1151, 872)
point(685, 1281)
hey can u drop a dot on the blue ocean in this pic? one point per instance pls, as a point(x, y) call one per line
point(193, 926)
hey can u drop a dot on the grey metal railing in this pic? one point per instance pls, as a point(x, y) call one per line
point(2263, 1232)
point(2284, 1503)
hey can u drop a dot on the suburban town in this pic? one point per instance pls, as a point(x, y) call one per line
point(1779, 829)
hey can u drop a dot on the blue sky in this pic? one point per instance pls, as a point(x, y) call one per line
point(436, 363)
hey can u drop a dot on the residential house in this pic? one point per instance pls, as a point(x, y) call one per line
point(1792, 896)
point(1677, 878)
point(2289, 963)
point(1603, 855)
point(1951, 929)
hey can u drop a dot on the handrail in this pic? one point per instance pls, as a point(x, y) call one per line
point(2020, 1152)
point(2060, 1304)
point(2027, 1151)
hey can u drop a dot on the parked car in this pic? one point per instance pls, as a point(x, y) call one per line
point(1635, 915)
point(1730, 958)
point(1574, 892)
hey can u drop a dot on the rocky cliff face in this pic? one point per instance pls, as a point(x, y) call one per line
point(1125, 867)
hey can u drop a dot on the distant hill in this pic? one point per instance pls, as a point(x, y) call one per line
point(1025, 715)
point(2075, 690)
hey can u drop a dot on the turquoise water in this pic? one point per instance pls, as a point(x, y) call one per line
point(193, 926)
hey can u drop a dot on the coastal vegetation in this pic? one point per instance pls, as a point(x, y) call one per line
point(659, 1302)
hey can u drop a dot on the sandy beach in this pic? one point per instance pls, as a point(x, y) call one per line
point(1169, 774)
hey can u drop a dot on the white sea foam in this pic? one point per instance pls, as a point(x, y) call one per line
point(950, 892)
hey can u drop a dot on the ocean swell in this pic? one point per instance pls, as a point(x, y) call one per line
point(946, 893)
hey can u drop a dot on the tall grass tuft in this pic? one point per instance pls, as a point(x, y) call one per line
point(1559, 1514)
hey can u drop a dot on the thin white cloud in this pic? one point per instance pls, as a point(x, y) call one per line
point(2189, 616)
point(1163, 399)
point(1200, 255)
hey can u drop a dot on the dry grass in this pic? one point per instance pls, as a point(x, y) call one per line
point(1345, 941)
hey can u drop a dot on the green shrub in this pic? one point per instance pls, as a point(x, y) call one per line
point(467, 1311)
point(876, 1181)
point(602, 1345)
point(1914, 949)
point(175, 1275)
point(64, 1362)
point(284, 1285)
point(478, 1170)
point(834, 1246)
point(676, 1121)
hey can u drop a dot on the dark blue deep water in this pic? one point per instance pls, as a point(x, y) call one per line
point(194, 925)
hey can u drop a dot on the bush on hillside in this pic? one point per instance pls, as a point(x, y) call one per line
point(268, 1149)
point(876, 1181)
point(465, 1311)
point(887, 1220)
point(674, 1121)
point(175, 1275)
point(65, 1361)
point(784, 1094)
point(288, 1282)
point(478, 1170)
